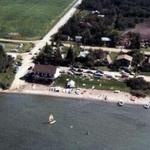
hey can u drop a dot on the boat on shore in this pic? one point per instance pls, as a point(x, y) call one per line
point(146, 106)
point(120, 103)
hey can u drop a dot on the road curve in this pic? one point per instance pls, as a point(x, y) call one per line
point(27, 59)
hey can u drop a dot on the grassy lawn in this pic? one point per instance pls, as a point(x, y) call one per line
point(11, 47)
point(113, 56)
point(99, 84)
point(103, 68)
point(145, 73)
point(145, 49)
point(30, 18)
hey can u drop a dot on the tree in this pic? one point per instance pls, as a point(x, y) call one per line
point(3, 59)
point(46, 55)
point(145, 67)
point(138, 58)
point(57, 57)
point(135, 40)
point(114, 36)
point(117, 15)
point(138, 84)
point(70, 58)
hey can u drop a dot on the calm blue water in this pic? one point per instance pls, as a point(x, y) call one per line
point(96, 126)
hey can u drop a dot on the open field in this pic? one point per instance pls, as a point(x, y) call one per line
point(13, 47)
point(22, 19)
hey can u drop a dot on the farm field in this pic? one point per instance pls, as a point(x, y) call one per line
point(29, 19)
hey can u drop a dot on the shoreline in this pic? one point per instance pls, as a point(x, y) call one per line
point(89, 95)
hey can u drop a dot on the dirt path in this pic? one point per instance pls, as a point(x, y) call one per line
point(116, 50)
point(17, 41)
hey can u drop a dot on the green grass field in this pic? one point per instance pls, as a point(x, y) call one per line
point(31, 19)
point(101, 84)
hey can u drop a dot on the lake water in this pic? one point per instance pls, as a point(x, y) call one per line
point(81, 125)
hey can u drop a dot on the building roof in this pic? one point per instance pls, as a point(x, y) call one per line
point(71, 84)
point(83, 54)
point(105, 39)
point(50, 69)
point(78, 37)
point(125, 56)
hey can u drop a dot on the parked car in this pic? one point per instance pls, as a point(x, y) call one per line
point(126, 70)
point(72, 69)
point(93, 68)
point(100, 71)
point(98, 74)
point(79, 70)
point(89, 71)
point(78, 73)
point(70, 73)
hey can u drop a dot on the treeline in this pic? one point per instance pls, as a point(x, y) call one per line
point(125, 12)
point(6, 69)
point(5, 61)
point(139, 87)
point(104, 18)
point(52, 56)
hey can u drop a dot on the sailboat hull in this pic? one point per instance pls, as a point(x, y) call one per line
point(52, 122)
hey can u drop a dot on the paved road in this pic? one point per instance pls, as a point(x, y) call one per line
point(27, 59)
point(116, 50)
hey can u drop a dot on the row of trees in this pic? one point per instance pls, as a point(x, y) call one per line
point(126, 13)
point(5, 61)
point(139, 87)
point(91, 28)
point(53, 56)
point(6, 69)
point(95, 58)
point(118, 16)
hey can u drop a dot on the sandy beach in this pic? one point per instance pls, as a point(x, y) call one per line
point(84, 94)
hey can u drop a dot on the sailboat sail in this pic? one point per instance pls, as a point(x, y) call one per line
point(51, 118)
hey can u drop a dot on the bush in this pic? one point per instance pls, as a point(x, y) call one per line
point(6, 78)
point(138, 93)
point(138, 84)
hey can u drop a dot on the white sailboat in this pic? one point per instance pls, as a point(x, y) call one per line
point(51, 119)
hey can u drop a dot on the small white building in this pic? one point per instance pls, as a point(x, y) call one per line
point(105, 39)
point(83, 54)
point(78, 38)
point(95, 12)
point(102, 16)
point(71, 84)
